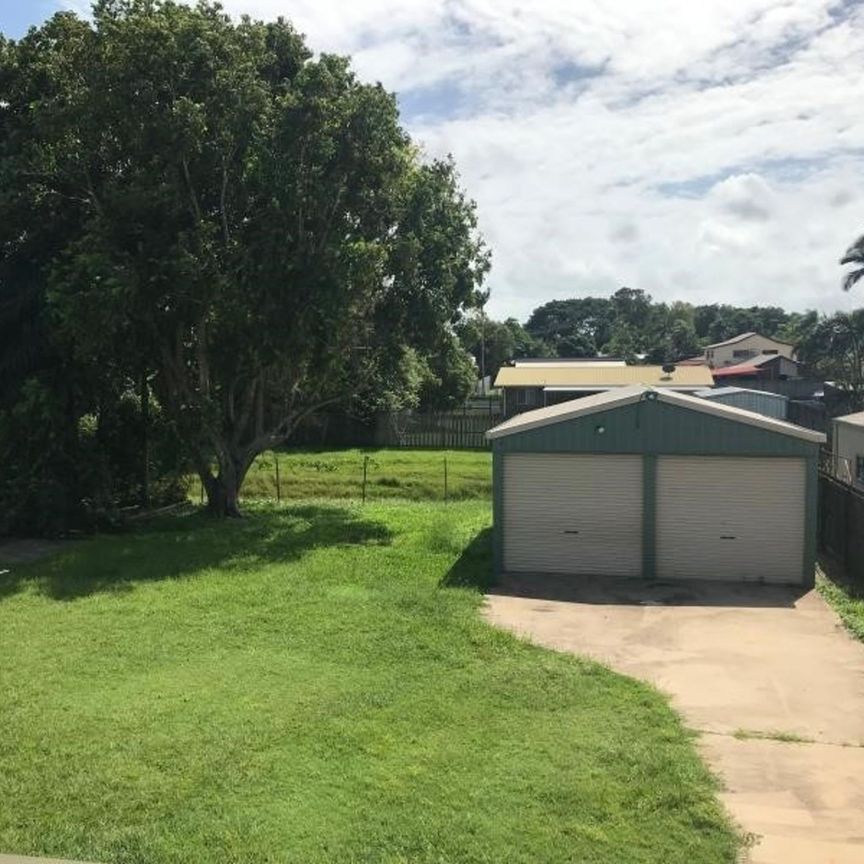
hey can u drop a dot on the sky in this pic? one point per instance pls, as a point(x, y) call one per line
point(708, 151)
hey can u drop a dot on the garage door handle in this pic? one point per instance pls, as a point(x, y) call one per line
point(570, 532)
point(727, 537)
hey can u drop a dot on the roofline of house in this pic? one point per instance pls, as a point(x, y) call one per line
point(605, 358)
point(747, 335)
point(848, 421)
point(762, 359)
point(605, 388)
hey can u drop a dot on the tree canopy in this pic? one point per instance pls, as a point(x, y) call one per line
point(203, 204)
point(630, 325)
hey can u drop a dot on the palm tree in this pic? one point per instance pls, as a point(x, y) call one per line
point(854, 255)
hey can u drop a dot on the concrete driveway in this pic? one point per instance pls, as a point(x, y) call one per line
point(746, 666)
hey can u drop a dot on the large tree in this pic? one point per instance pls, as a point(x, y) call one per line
point(578, 327)
point(253, 232)
point(716, 323)
point(673, 333)
point(834, 347)
point(492, 343)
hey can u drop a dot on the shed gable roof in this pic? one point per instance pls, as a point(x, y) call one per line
point(629, 395)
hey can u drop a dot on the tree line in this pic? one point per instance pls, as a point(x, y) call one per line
point(632, 326)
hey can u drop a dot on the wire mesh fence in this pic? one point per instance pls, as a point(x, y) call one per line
point(374, 475)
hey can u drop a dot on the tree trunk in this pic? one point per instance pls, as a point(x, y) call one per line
point(145, 443)
point(221, 497)
point(223, 488)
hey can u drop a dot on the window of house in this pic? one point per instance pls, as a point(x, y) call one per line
point(770, 351)
point(859, 469)
point(743, 353)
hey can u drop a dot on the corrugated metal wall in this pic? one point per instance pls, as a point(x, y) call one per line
point(766, 404)
point(655, 427)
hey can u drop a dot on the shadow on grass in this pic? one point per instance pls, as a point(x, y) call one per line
point(176, 547)
point(473, 568)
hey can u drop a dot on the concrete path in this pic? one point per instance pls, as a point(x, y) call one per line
point(746, 666)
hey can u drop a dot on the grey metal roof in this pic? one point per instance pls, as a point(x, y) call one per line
point(719, 392)
point(762, 359)
point(630, 395)
point(856, 419)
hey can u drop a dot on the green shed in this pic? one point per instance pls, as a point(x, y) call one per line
point(638, 482)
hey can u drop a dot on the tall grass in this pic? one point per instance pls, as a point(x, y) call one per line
point(417, 475)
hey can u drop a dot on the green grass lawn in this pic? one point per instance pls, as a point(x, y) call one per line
point(847, 600)
point(390, 473)
point(315, 684)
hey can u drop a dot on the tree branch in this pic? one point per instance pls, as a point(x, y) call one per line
point(196, 210)
point(203, 359)
point(222, 211)
point(286, 426)
point(245, 412)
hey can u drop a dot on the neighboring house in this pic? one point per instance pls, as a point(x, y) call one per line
point(647, 482)
point(848, 445)
point(532, 385)
point(745, 347)
point(582, 362)
point(740, 350)
point(765, 367)
point(767, 404)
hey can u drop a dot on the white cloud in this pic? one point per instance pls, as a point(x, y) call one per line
point(745, 197)
point(708, 151)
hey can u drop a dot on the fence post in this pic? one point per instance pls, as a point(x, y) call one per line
point(847, 506)
point(445, 479)
point(278, 482)
point(365, 464)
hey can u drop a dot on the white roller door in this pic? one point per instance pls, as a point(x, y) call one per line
point(732, 519)
point(568, 513)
